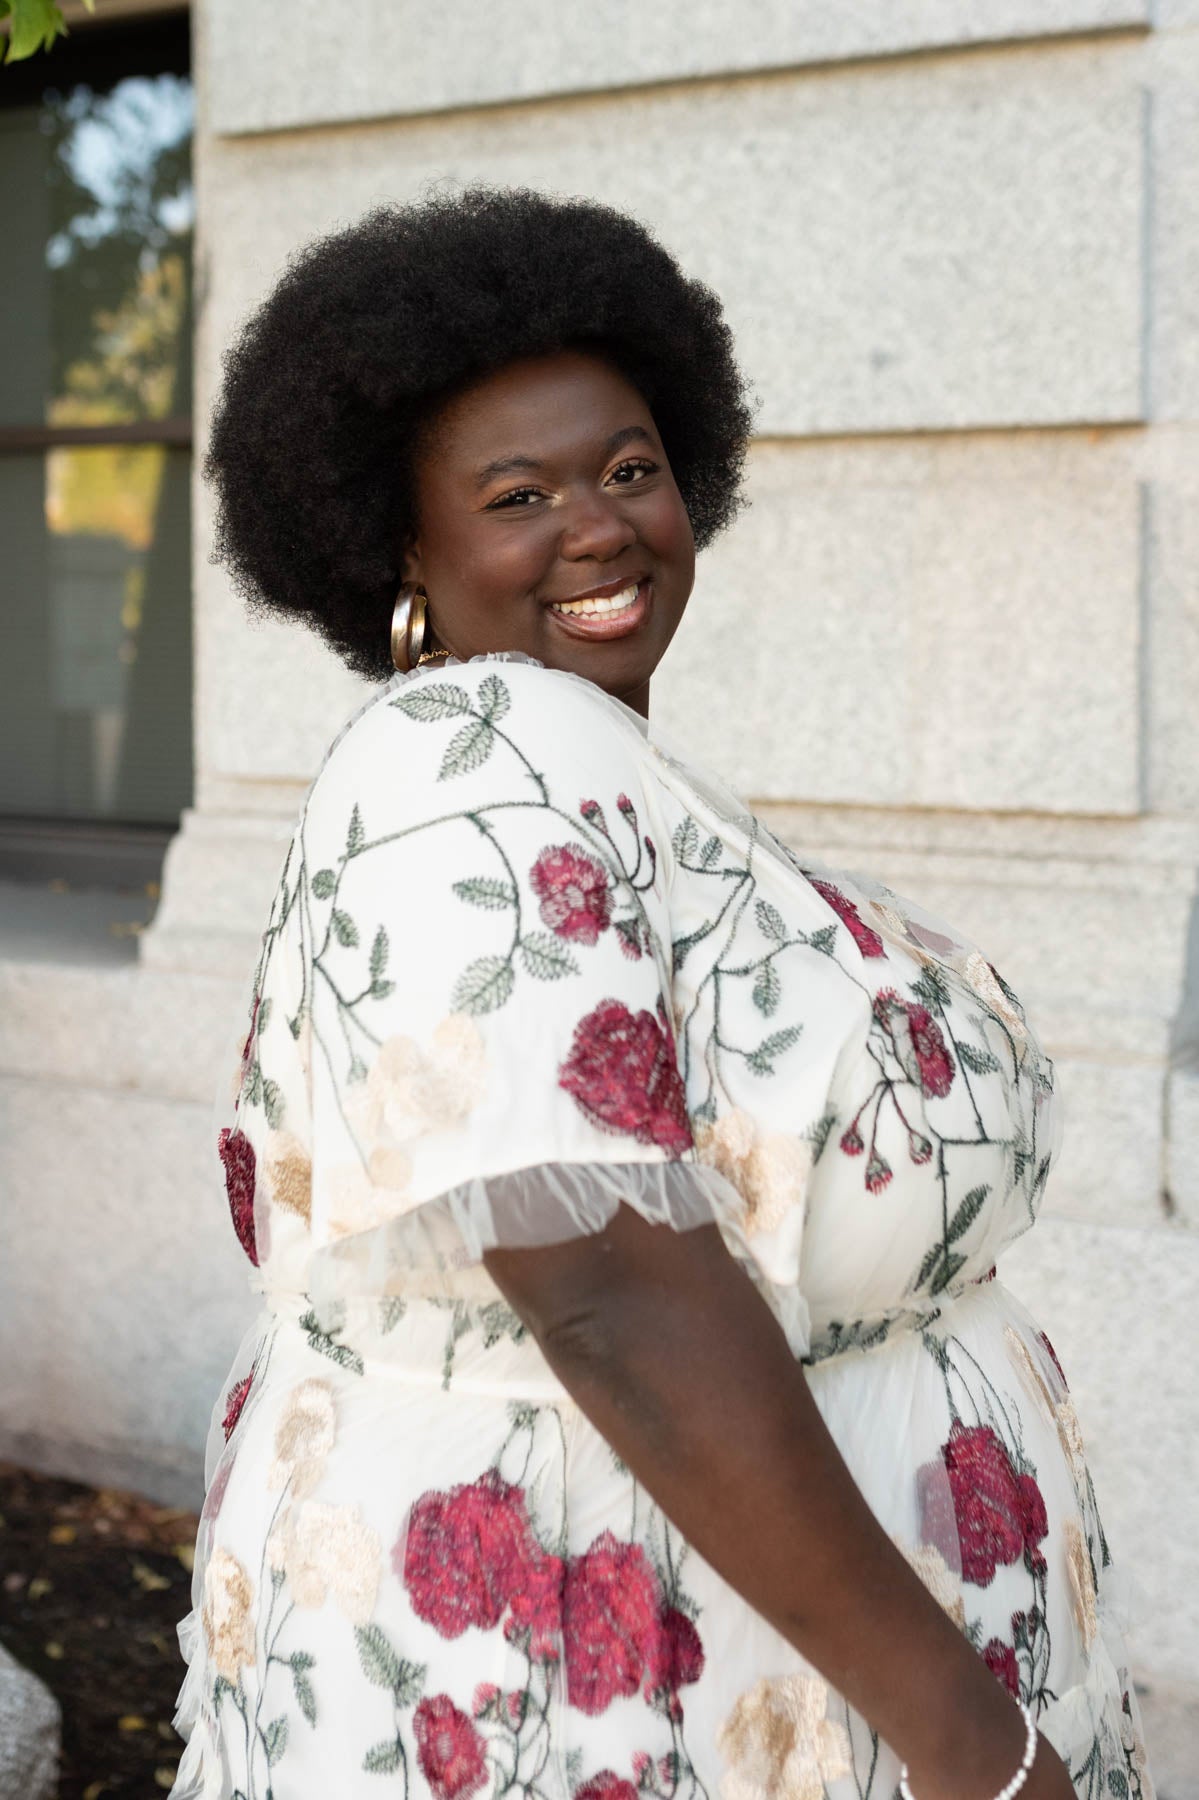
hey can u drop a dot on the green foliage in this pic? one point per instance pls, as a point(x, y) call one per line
point(33, 25)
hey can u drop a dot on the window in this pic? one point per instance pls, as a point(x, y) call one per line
point(96, 215)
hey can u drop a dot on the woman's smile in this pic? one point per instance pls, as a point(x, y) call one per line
point(602, 614)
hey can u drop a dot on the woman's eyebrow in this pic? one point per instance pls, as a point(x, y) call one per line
point(514, 465)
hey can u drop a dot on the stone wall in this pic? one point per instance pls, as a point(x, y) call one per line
point(959, 244)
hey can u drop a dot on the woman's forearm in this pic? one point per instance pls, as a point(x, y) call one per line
point(677, 1361)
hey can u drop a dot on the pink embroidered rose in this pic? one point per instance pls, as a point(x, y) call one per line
point(985, 1512)
point(575, 895)
point(867, 941)
point(621, 1072)
point(449, 1750)
point(467, 1554)
point(610, 1622)
point(1000, 1658)
point(676, 1657)
point(237, 1155)
point(235, 1399)
point(606, 1786)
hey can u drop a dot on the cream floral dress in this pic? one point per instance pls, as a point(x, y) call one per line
point(523, 967)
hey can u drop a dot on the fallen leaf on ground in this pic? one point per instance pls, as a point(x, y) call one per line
point(146, 1579)
point(39, 1586)
point(165, 1777)
point(54, 1650)
point(131, 1722)
point(62, 1534)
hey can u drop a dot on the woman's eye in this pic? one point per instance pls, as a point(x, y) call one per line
point(517, 497)
point(632, 470)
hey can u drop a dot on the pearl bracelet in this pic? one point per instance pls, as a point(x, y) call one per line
point(1018, 1779)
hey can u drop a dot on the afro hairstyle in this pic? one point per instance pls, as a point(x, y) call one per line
point(371, 329)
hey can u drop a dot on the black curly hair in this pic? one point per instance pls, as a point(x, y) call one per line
point(370, 330)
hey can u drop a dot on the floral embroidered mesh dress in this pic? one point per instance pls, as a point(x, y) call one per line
point(523, 967)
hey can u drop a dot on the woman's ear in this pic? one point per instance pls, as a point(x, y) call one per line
point(410, 563)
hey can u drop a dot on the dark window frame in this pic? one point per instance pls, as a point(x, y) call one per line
point(91, 852)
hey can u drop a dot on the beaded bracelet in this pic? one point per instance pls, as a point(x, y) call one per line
point(1018, 1779)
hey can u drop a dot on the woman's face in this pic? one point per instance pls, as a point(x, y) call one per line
point(549, 522)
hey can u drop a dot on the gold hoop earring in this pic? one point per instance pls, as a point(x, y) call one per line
point(408, 621)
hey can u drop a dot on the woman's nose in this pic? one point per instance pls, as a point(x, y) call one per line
point(595, 527)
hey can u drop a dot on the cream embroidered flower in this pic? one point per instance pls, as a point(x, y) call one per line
point(1082, 1582)
point(303, 1437)
point(1069, 1430)
point(227, 1615)
point(287, 1171)
point(944, 1586)
point(410, 1091)
point(780, 1744)
point(770, 1171)
point(1034, 1379)
point(359, 1199)
point(981, 977)
point(896, 927)
point(322, 1548)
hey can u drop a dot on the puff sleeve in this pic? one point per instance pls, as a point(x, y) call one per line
point(478, 982)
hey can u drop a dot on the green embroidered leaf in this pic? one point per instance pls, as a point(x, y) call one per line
point(818, 1134)
point(705, 1112)
point(709, 853)
point(483, 985)
point(409, 1683)
point(293, 1025)
point(305, 1697)
point(253, 1087)
point(274, 1739)
point(344, 928)
point(966, 1213)
point(946, 1272)
point(379, 954)
point(379, 990)
point(546, 957)
point(685, 841)
point(264, 1016)
point(931, 987)
point(323, 883)
point(770, 921)
point(762, 1060)
point(391, 1310)
point(380, 1664)
point(629, 933)
point(823, 940)
point(486, 890)
point(979, 1062)
point(467, 749)
point(278, 1577)
point(326, 1345)
point(443, 701)
point(931, 1260)
point(382, 1759)
point(220, 1687)
point(768, 989)
point(355, 836)
point(300, 1659)
point(494, 699)
point(272, 1102)
point(1117, 1783)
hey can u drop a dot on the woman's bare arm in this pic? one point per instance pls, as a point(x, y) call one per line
point(669, 1351)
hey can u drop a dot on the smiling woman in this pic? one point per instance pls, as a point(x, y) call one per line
point(635, 1410)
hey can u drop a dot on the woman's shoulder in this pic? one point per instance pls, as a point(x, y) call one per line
point(488, 724)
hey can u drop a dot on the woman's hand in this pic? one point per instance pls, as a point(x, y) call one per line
point(675, 1358)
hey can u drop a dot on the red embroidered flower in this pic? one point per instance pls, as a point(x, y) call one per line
point(449, 1749)
point(467, 1554)
point(576, 899)
point(852, 1141)
point(593, 812)
point(676, 1658)
point(535, 1612)
point(610, 1622)
point(1000, 1658)
point(867, 941)
point(621, 1072)
point(918, 1041)
point(987, 1512)
point(606, 1786)
point(216, 1490)
point(237, 1155)
point(235, 1399)
point(878, 1173)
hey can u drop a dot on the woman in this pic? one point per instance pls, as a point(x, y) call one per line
point(635, 1410)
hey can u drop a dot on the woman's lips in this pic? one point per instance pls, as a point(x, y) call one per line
point(615, 617)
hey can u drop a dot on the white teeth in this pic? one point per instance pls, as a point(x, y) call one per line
point(617, 603)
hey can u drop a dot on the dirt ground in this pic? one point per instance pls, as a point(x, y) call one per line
point(92, 1584)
